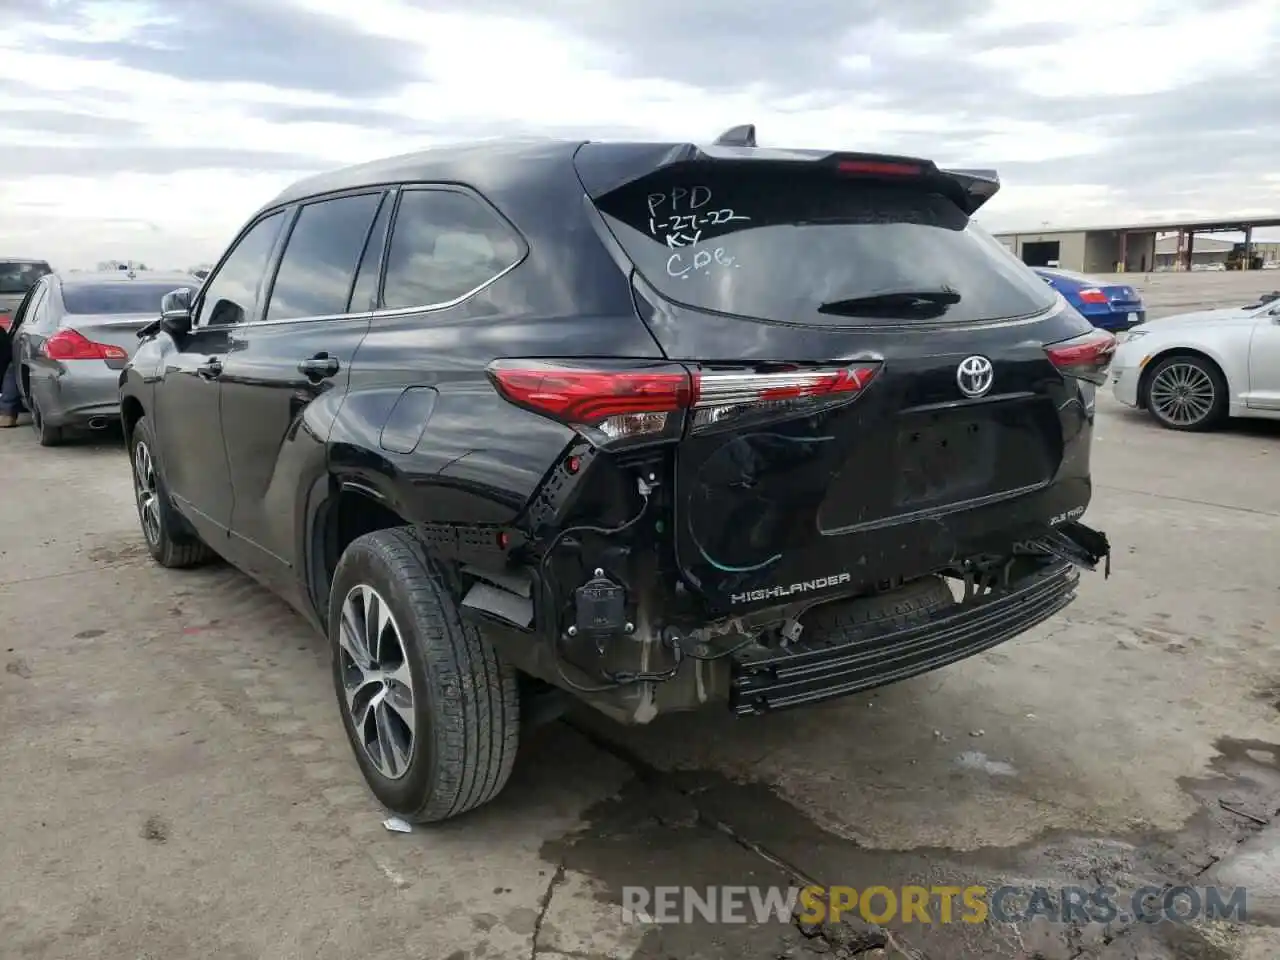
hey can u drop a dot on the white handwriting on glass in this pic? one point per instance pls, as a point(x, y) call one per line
point(680, 265)
point(680, 214)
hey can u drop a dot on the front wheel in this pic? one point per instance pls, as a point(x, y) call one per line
point(1187, 393)
point(168, 543)
point(432, 713)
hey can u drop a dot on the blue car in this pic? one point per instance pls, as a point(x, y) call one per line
point(1111, 306)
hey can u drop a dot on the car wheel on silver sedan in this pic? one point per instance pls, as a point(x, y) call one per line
point(1187, 392)
point(46, 435)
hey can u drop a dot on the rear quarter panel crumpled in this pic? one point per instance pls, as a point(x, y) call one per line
point(478, 458)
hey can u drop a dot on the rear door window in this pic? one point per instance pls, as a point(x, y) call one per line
point(778, 244)
point(31, 318)
point(445, 245)
point(43, 315)
point(321, 256)
point(231, 295)
point(123, 297)
point(364, 292)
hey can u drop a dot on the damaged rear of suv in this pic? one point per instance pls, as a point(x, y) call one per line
point(697, 426)
point(864, 454)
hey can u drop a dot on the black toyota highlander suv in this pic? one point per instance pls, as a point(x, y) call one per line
point(658, 424)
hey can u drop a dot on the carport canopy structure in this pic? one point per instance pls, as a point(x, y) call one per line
point(1124, 247)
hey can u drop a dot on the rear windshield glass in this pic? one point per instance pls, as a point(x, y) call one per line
point(777, 244)
point(19, 276)
point(125, 297)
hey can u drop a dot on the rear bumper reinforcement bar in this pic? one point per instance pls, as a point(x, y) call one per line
point(799, 676)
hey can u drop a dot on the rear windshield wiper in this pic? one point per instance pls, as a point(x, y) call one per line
point(897, 302)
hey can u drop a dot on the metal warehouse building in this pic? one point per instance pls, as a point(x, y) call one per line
point(1127, 248)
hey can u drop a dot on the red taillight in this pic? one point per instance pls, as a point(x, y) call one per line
point(73, 345)
point(1092, 295)
point(591, 396)
point(880, 168)
point(1087, 356)
point(5, 320)
point(723, 399)
point(609, 403)
point(650, 403)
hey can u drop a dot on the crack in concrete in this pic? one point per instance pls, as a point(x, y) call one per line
point(1172, 860)
point(1061, 627)
point(1191, 500)
point(844, 938)
point(41, 578)
point(1136, 925)
point(544, 905)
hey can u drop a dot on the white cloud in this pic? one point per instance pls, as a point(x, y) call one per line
point(1110, 52)
point(172, 221)
point(490, 71)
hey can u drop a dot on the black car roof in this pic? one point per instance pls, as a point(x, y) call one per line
point(486, 165)
point(495, 167)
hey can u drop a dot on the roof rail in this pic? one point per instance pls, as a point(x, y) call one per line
point(740, 136)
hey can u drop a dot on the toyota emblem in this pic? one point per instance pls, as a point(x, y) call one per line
point(974, 376)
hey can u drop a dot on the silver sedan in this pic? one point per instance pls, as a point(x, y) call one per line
point(1194, 371)
point(71, 337)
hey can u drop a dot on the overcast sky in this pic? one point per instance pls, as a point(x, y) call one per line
point(151, 130)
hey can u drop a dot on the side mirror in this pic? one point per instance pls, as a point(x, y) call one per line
point(226, 313)
point(175, 312)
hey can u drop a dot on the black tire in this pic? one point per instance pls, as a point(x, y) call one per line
point(1218, 407)
point(465, 698)
point(836, 623)
point(169, 539)
point(46, 435)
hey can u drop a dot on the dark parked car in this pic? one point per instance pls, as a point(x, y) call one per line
point(72, 335)
point(17, 276)
point(660, 425)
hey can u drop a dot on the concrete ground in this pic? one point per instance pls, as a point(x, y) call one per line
point(175, 781)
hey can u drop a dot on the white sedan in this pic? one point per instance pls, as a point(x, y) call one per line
point(1194, 370)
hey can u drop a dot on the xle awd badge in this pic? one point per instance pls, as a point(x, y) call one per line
point(974, 376)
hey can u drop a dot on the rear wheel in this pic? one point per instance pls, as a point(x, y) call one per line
point(46, 435)
point(1187, 393)
point(432, 713)
point(169, 543)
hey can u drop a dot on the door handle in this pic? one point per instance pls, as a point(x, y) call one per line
point(320, 367)
point(211, 369)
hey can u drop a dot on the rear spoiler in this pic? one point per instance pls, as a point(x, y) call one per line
point(604, 167)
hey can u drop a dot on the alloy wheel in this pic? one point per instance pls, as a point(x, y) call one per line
point(147, 491)
point(1182, 394)
point(376, 681)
